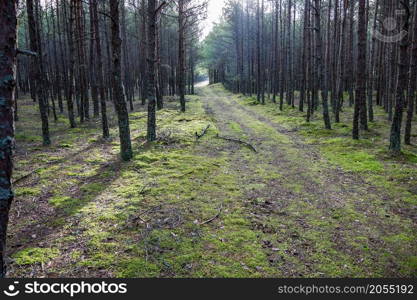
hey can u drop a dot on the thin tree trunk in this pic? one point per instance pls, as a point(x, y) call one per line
point(93, 72)
point(181, 53)
point(321, 78)
point(360, 100)
point(412, 83)
point(39, 73)
point(402, 79)
point(71, 47)
point(119, 99)
point(151, 132)
point(103, 104)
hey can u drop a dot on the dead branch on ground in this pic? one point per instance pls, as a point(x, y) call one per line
point(237, 141)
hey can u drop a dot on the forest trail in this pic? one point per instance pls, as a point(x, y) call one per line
point(207, 207)
point(314, 216)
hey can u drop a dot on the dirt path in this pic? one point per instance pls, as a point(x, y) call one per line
point(316, 219)
point(208, 207)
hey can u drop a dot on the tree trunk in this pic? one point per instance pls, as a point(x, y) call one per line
point(151, 133)
point(321, 78)
point(119, 99)
point(39, 74)
point(290, 89)
point(71, 47)
point(104, 122)
point(93, 72)
point(360, 100)
point(412, 83)
point(181, 53)
point(402, 79)
point(8, 36)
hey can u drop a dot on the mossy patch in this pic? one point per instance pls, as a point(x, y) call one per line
point(28, 138)
point(410, 266)
point(92, 188)
point(30, 256)
point(63, 202)
point(138, 268)
point(27, 191)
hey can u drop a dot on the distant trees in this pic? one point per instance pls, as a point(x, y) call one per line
point(8, 52)
point(330, 51)
point(190, 12)
point(80, 62)
point(38, 65)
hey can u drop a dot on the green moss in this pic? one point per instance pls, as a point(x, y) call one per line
point(58, 222)
point(409, 267)
point(66, 145)
point(31, 256)
point(27, 191)
point(235, 127)
point(355, 160)
point(147, 158)
point(138, 268)
point(100, 259)
point(76, 255)
point(71, 205)
point(28, 138)
point(63, 201)
point(411, 199)
point(399, 238)
point(93, 188)
point(409, 156)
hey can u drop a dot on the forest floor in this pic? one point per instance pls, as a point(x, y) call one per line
point(293, 200)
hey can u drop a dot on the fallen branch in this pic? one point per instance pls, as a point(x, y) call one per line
point(213, 218)
point(238, 141)
point(139, 216)
point(150, 209)
point(25, 176)
point(199, 136)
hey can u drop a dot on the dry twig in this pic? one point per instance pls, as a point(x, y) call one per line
point(199, 136)
point(213, 218)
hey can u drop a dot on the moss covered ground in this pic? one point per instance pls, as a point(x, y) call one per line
point(307, 203)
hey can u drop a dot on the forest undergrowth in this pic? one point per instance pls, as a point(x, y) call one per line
point(300, 202)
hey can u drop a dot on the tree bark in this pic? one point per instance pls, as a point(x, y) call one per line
point(119, 99)
point(151, 132)
point(181, 53)
point(412, 83)
point(8, 37)
point(100, 79)
point(360, 100)
point(402, 79)
point(39, 74)
point(321, 78)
